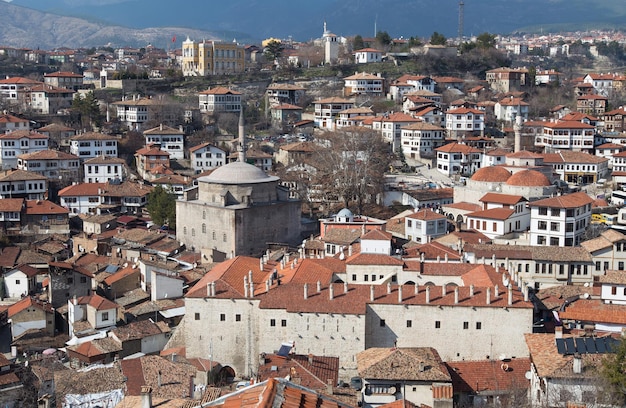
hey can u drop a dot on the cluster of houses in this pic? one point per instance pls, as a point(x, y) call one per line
point(371, 311)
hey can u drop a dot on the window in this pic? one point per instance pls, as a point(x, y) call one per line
point(555, 212)
point(479, 325)
point(17, 281)
point(542, 225)
point(353, 277)
point(437, 324)
point(554, 226)
point(197, 316)
point(105, 316)
point(222, 317)
point(543, 211)
point(283, 323)
point(465, 325)
point(554, 241)
point(70, 280)
point(237, 317)
point(382, 323)
point(83, 279)
point(620, 266)
point(272, 322)
point(409, 323)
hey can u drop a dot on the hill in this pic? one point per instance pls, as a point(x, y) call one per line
point(304, 20)
point(25, 27)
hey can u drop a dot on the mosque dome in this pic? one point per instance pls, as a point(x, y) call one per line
point(528, 178)
point(494, 174)
point(238, 173)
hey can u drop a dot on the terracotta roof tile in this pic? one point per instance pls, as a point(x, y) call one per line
point(485, 376)
point(397, 364)
point(573, 200)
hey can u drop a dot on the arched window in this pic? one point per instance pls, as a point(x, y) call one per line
point(214, 236)
point(193, 232)
point(224, 237)
point(184, 230)
point(204, 228)
point(203, 215)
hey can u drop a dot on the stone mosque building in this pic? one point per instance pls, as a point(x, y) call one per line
point(238, 209)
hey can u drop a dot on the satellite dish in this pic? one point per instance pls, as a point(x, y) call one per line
point(586, 284)
point(586, 296)
point(528, 375)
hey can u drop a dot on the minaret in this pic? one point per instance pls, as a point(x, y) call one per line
point(241, 148)
point(517, 129)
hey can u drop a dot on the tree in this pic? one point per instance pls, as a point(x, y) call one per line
point(162, 206)
point(357, 42)
point(87, 110)
point(486, 40)
point(438, 39)
point(352, 166)
point(273, 50)
point(383, 38)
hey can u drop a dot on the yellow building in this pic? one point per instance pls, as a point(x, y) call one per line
point(211, 58)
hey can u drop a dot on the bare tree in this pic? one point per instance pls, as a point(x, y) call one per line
point(352, 165)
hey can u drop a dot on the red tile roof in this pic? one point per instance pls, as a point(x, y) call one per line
point(502, 198)
point(565, 201)
point(219, 90)
point(493, 214)
point(458, 148)
point(489, 376)
point(26, 303)
point(43, 207)
point(426, 214)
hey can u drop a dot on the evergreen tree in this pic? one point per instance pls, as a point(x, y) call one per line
point(438, 39)
point(162, 207)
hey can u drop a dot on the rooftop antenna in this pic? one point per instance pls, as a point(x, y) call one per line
point(461, 19)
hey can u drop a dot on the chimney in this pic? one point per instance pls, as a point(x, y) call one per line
point(496, 292)
point(350, 250)
point(161, 126)
point(345, 287)
point(251, 288)
point(267, 285)
point(497, 268)
point(488, 296)
point(472, 290)
point(525, 293)
point(417, 288)
point(445, 257)
point(159, 378)
point(146, 397)
point(331, 291)
point(493, 259)
point(456, 295)
point(213, 289)
point(399, 293)
point(483, 260)
point(388, 287)
point(208, 290)
point(245, 286)
point(371, 293)
point(578, 364)
point(427, 294)
point(438, 259)
point(319, 286)
point(306, 291)
point(261, 263)
point(558, 332)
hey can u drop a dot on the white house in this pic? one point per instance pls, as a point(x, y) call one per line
point(167, 139)
point(21, 183)
point(508, 109)
point(83, 198)
point(566, 135)
point(20, 142)
point(390, 126)
point(205, 157)
point(376, 242)
point(327, 111)
point(50, 100)
point(165, 286)
point(99, 312)
point(608, 150)
point(367, 55)
point(102, 169)
point(219, 99)
point(420, 139)
point(464, 121)
point(425, 225)
point(20, 281)
point(456, 158)
point(92, 144)
point(501, 214)
point(608, 251)
point(53, 164)
point(362, 83)
point(560, 220)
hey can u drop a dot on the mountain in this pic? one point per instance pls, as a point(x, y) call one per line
point(29, 28)
point(303, 20)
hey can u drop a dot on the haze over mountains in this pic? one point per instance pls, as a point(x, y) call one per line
point(248, 20)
